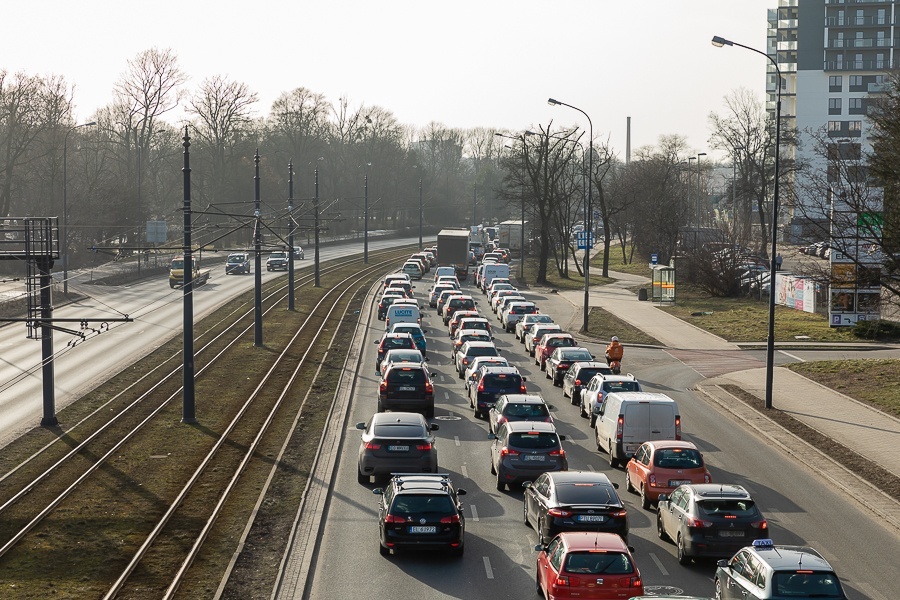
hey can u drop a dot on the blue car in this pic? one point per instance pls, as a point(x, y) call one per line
point(418, 335)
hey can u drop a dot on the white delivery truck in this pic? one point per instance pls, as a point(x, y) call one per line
point(625, 420)
point(490, 272)
point(401, 313)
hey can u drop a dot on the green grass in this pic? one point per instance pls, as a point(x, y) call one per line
point(603, 325)
point(873, 381)
point(746, 320)
point(616, 263)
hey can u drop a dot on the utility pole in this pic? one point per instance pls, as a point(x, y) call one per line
point(316, 211)
point(291, 233)
point(257, 247)
point(187, 409)
point(366, 220)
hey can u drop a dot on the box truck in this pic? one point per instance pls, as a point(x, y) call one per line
point(510, 234)
point(453, 251)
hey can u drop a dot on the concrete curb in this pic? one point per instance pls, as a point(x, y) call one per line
point(864, 493)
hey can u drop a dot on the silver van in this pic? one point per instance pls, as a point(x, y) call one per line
point(626, 420)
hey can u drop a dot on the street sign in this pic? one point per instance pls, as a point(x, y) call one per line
point(585, 240)
point(156, 232)
point(654, 259)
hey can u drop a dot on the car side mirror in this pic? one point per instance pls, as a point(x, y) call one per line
point(461, 492)
point(663, 498)
point(430, 374)
point(538, 548)
point(722, 563)
point(528, 484)
point(562, 438)
point(360, 425)
point(594, 356)
point(434, 427)
point(598, 410)
point(524, 379)
point(378, 492)
point(375, 342)
point(426, 359)
point(631, 548)
point(551, 407)
point(615, 485)
point(492, 436)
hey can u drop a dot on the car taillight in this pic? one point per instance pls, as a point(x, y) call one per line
point(652, 480)
point(563, 580)
point(759, 525)
point(383, 387)
point(481, 386)
point(557, 512)
point(373, 446)
point(620, 426)
point(619, 513)
point(501, 420)
point(465, 361)
point(508, 452)
point(424, 447)
point(522, 388)
point(450, 519)
point(577, 382)
point(559, 452)
point(562, 366)
point(677, 427)
point(635, 582)
point(707, 478)
point(534, 340)
point(394, 519)
point(698, 523)
point(429, 388)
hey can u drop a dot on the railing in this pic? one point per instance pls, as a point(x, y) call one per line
point(857, 65)
point(849, 21)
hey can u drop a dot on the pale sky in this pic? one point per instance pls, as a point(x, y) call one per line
point(464, 63)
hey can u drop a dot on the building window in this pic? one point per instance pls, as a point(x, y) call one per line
point(856, 83)
point(834, 106)
point(855, 106)
point(855, 128)
point(835, 83)
point(834, 126)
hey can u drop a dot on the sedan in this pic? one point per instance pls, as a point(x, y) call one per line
point(527, 321)
point(659, 466)
point(574, 501)
point(396, 442)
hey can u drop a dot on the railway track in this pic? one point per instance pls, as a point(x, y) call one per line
point(168, 498)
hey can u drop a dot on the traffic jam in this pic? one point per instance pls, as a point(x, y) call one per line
point(577, 516)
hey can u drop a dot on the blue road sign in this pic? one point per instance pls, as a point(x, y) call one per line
point(585, 240)
point(654, 259)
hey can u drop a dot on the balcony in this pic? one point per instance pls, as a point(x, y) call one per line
point(857, 65)
point(787, 24)
point(848, 21)
point(861, 43)
point(782, 46)
point(839, 2)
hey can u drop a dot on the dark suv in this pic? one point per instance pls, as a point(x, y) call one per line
point(420, 511)
point(491, 383)
point(392, 341)
point(458, 303)
point(407, 386)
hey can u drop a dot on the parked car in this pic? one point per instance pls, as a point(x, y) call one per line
point(397, 442)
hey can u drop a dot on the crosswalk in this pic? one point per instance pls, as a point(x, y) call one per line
point(709, 363)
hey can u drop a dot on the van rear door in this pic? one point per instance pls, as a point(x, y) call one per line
point(662, 421)
point(636, 428)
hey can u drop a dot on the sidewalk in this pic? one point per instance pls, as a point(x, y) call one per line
point(869, 432)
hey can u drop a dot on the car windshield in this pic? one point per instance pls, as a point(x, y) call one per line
point(526, 411)
point(806, 584)
point(178, 263)
point(236, 259)
point(677, 458)
point(399, 430)
point(576, 355)
point(502, 381)
point(586, 493)
point(422, 503)
point(595, 563)
point(728, 506)
point(406, 376)
point(278, 255)
point(481, 351)
point(621, 386)
point(533, 440)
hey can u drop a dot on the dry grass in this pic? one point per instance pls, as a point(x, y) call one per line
point(873, 381)
point(603, 324)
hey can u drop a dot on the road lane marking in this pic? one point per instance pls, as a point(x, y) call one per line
point(659, 564)
point(456, 439)
point(446, 395)
point(487, 568)
point(474, 512)
point(794, 356)
point(591, 468)
point(464, 471)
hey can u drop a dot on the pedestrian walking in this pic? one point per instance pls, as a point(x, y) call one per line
point(778, 260)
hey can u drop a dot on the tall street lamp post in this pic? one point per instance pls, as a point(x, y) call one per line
point(420, 214)
point(588, 212)
point(366, 219)
point(65, 235)
point(770, 342)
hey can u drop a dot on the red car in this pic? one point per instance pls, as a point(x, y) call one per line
point(549, 343)
point(584, 564)
point(660, 466)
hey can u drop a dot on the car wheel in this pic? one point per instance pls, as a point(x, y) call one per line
point(613, 462)
point(557, 381)
point(645, 500)
point(718, 589)
point(660, 530)
point(540, 532)
point(581, 411)
point(493, 470)
point(460, 374)
point(360, 478)
point(383, 551)
point(537, 586)
point(593, 418)
point(546, 371)
point(500, 485)
point(429, 413)
point(628, 487)
point(683, 559)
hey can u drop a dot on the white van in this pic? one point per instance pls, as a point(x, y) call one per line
point(402, 313)
point(492, 271)
point(442, 271)
point(628, 419)
point(413, 269)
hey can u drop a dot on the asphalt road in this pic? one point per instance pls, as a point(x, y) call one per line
point(499, 559)
point(157, 313)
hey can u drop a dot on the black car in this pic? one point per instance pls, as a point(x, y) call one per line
point(579, 375)
point(574, 501)
point(385, 304)
point(392, 341)
point(420, 511)
point(493, 382)
point(709, 519)
point(407, 386)
point(395, 442)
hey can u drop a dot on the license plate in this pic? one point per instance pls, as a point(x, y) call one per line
point(677, 482)
point(406, 388)
point(630, 450)
point(591, 518)
point(398, 448)
point(489, 404)
point(536, 457)
point(423, 529)
point(730, 533)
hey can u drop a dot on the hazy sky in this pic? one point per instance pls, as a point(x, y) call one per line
point(464, 63)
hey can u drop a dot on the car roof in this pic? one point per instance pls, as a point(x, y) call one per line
point(579, 477)
point(665, 444)
point(418, 482)
point(718, 491)
point(396, 334)
point(592, 364)
point(611, 377)
point(500, 370)
point(553, 336)
point(478, 343)
point(524, 398)
point(791, 557)
point(589, 540)
point(573, 349)
point(403, 418)
point(539, 426)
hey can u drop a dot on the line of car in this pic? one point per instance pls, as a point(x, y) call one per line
point(581, 522)
point(239, 262)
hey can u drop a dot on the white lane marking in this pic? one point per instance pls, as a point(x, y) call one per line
point(794, 356)
point(446, 395)
point(659, 564)
point(464, 471)
point(474, 512)
point(591, 467)
point(487, 568)
point(456, 439)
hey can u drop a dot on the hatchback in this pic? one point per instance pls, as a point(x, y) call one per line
point(561, 359)
point(518, 407)
point(527, 321)
point(537, 332)
point(417, 333)
point(400, 355)
point(469, 351)
point(579, 375)
point(386, 300)
point(473, 370)
point(574, 501)
point(467, 335)
point(466, 303)
point(548, 344)
point(453, 323)
point(522, 450)
point(658, 467)
point(581, 564)
point(407, 386)
point(491, 383)
point(420, 511)
point(396, 442)
point(475, 323)
point(390, 341)
point(709, 520)
point(444, 297)
point(436, 292)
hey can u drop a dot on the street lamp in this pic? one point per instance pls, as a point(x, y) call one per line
point(588, 211)
point(65, 236)
point(770, 342)
point(420, 215)
point(734, 210)
point(699, 201)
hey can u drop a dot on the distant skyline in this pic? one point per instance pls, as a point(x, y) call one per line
point(464, 64)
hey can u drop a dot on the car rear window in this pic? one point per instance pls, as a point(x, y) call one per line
point(403, 342)
point(523, 310)
point(480, 325)
point(586, 493)
point(482, 351)
point(560, 342)
point(677, 458)
point(462, 303)
point(587, 374)
point(526, 411)
point(533, 440)
point(406, 376)
point(621, 386)
point(400, 356)
point(727, 506)
point(502, 381)
point(576, 355)
point(395, 430)
point(422, 504)
point(595, 563)
point(817, 584)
